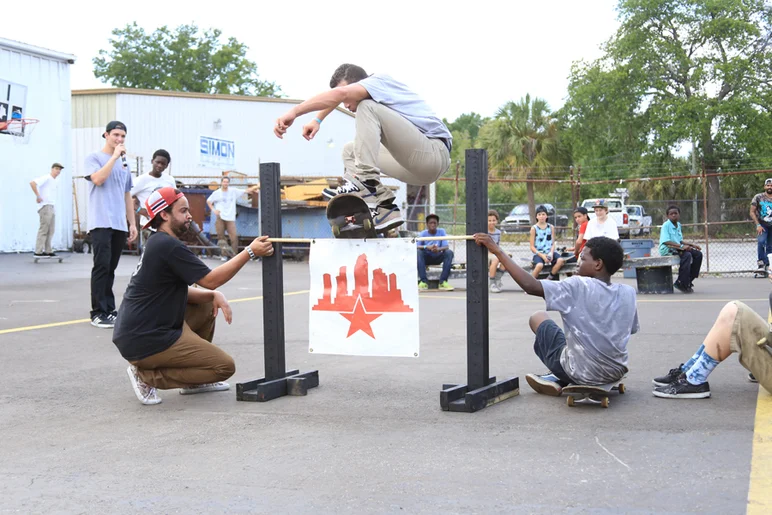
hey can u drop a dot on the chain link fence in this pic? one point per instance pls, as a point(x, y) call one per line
point(726, 234)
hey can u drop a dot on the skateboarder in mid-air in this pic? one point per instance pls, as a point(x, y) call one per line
point(397, 134)
point(599, 318)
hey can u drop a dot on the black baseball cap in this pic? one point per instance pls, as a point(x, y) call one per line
point(115, 124)
point(57, 165)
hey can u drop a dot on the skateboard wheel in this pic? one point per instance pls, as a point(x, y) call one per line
point(569, 401)
point(335, 231)
point(367, 224)
point(604, 402)
point(621, 389)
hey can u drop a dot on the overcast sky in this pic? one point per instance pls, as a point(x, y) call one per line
point(460, 56)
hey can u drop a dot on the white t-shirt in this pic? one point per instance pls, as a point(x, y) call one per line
point(395, 95)
point(47, 189)
point(607, 229)
point(147, 184)
point(225, 202)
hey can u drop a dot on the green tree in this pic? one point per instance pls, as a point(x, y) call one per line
point(524, 138)
point(180, 60)
point(676, 72)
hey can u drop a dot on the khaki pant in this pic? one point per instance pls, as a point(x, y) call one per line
point(222, 226)
point(193, 359)
point(747, 330)
point(388, 143)
point(46, 231)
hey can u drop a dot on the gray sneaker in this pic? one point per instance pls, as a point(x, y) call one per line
point(146, 394)
point(495, 286)
point(386, 217)
point(353, 186)
point(546, 384)
point(203, 388)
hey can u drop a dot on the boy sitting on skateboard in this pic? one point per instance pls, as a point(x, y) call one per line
point(598, 317)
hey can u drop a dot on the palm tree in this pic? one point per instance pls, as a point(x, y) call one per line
point(523, 137)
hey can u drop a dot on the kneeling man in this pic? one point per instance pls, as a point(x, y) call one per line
point(165, 327)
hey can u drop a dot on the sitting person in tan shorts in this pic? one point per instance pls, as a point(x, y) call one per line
point(737, 329)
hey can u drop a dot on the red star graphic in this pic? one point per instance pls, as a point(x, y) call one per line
point(360, 319)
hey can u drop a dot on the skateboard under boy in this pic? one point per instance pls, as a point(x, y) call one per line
point(350, 217)
point(58, 257)
point(595, 394)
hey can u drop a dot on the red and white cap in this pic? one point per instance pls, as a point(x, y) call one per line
point(159, 200)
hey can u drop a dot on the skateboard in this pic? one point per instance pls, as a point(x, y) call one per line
point(350, 217)
point(58, 257)
point(596, 394)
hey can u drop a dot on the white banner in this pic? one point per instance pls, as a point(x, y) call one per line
point(364, 297)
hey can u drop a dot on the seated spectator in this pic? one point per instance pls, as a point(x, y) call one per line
point(601, 225)
point(434, 252)
point(543, 245)
point(494, 265)
point(671, 242)
point(581, 218)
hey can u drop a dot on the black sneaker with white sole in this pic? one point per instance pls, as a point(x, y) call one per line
point(102, 321)
point(352, 186)
point(669, 377)
point(752, 378)
point(683, 389)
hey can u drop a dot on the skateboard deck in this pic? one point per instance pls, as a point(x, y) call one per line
point(350, 217)
point(595, 394)
point(59, 257)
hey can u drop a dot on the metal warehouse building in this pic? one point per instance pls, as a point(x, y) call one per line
point(34, 83)
point(205, 135)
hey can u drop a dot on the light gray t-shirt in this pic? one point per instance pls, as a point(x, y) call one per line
point(598, 319)
point(107, 203)
point(225, 202)
point(395, 95)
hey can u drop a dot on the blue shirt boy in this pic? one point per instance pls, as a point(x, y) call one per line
point(672, 233)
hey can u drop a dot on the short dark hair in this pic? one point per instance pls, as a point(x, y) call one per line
point(607, 250)
point(156, 222)
point(351, 73)
point(493, 212)
point(541, 209)
point(429, 217)
point(162, 153)
point(582, 210)
point(225, 177)
point(671, 207)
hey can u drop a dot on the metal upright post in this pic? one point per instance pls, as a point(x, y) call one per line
point(481, 390)
point(278, 380)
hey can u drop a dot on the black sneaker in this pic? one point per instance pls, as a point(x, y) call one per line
point(680, 287)
point(102, 321)
point(683, 389)
point(40, 255)
point(51, 254)
point(669, 377)
point(752, 378)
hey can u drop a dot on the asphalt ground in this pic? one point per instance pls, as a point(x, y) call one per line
point(372, 437)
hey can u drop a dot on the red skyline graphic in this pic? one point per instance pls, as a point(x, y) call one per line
point(360, 307)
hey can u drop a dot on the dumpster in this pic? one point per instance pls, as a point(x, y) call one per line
point(636, 249)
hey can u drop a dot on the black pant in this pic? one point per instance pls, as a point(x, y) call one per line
point(107, 245)
point(691, 261)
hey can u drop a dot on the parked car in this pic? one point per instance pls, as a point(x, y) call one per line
point(519, 219)
point(640, 222)
point(616, 211)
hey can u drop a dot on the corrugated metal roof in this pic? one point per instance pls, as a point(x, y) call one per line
point(36, 50)
point(185, 94)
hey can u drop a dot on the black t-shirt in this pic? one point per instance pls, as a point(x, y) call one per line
point(153, 309)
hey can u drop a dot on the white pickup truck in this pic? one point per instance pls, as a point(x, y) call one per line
point(616, 211)
point(640, 222)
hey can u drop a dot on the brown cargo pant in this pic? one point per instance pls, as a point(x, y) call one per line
point(193, 359)
point(46, 230)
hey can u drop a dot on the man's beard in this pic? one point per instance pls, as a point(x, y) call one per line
point(768, 191)
point(181, 230)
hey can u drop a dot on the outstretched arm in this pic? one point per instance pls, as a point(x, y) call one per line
point(328, 100)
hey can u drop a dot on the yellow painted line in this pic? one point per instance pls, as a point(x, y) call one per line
point(760, 490)
point(44, 326)
point(84, 320)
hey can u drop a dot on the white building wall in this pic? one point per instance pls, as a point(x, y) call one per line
point(176, 123)
point(47, 77)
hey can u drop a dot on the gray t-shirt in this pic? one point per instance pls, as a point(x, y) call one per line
point(395, 95)
point(598, 319)
point(107, 203)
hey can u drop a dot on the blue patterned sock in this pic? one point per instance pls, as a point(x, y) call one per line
point(699, 372)
point(686, 366)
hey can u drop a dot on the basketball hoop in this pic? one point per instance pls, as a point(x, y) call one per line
point(20, 128)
